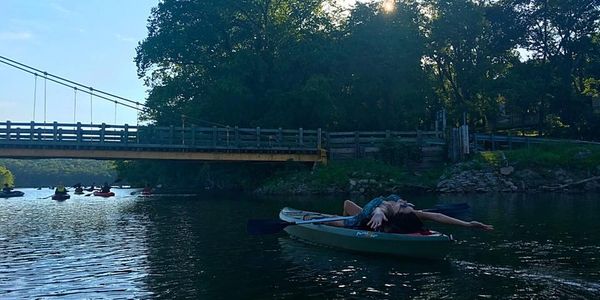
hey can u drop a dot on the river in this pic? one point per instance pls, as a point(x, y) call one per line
point(544, 246)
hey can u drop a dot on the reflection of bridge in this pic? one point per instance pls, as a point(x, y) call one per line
point(102, 141)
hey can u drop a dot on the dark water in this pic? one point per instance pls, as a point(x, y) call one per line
point(544, 246)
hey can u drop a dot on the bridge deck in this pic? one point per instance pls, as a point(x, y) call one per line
point(102, 141)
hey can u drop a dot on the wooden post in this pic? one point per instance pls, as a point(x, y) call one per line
point(279, 137)
point(227, 134)
point(258, 137)
point(328, 144)
point(214, 136)
point(300, 136)
point(356, 145)
point(126, 134)
point(18, 133)
point(79, 133)
point(183, 134)
point(171, 134)
point(31, 130)
point(319, 139)
point(60, 134)
point(55, 130)
point(8, 130)
point(102, 132)
point(236, 133)
point(193, 135)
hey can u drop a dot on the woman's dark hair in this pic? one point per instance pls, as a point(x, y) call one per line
point(403, 223)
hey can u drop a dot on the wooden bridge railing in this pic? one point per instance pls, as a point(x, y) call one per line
point(159, 137)
point(357, 144)
point(340, 145)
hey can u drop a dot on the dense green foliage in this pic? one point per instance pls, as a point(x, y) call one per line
point(49, 172)
point(6, 177)
point(307, 64)
point(531, 64)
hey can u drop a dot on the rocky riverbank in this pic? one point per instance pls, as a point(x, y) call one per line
point(466, 178)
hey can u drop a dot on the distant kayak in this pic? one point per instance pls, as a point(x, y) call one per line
point(60, 197)
point(78, 192)
point(106, 195)
point(11, 194)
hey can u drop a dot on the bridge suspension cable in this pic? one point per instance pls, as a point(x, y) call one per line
point(45, 82)
point(74, 104)
point(118, 100)
point(35, 76)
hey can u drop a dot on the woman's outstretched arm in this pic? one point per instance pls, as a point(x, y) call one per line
point(441, 218)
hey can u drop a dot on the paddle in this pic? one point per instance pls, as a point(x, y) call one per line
point(46, 197)
point(259, 227)
point(269, 226)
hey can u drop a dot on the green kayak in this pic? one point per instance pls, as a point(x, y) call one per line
point(433, 245)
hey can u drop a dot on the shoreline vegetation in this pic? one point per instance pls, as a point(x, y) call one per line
point(557, 168)
point(49, 172)
point(560, 168)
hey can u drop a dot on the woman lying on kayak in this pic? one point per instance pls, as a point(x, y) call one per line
point(395, 215)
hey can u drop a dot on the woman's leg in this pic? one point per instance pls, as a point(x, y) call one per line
point(351, 208)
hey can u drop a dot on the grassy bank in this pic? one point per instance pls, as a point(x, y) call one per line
point(567, 156)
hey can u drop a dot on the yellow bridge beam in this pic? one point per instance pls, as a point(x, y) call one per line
point(161, 155)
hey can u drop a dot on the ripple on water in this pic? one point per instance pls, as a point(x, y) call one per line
point(71, 251)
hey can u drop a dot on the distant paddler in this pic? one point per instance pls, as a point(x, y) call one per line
point(92, 187)
point(7, 189)
point(7, 192)
point(78, 189)
point(60, 193)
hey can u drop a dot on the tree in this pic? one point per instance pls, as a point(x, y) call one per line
point(471, 45)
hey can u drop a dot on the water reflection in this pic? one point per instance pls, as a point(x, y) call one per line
point(545, 246)
point(356, 275)
point(80, 248)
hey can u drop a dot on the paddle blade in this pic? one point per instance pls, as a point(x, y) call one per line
point(260, 227)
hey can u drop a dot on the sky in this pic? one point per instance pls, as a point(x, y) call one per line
point(88, 41)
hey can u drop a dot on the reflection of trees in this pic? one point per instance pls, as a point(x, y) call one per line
point(327, 272)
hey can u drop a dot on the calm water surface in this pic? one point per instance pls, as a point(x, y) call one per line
point(544, 246)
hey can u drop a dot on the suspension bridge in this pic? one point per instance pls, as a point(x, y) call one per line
point(211, 142)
